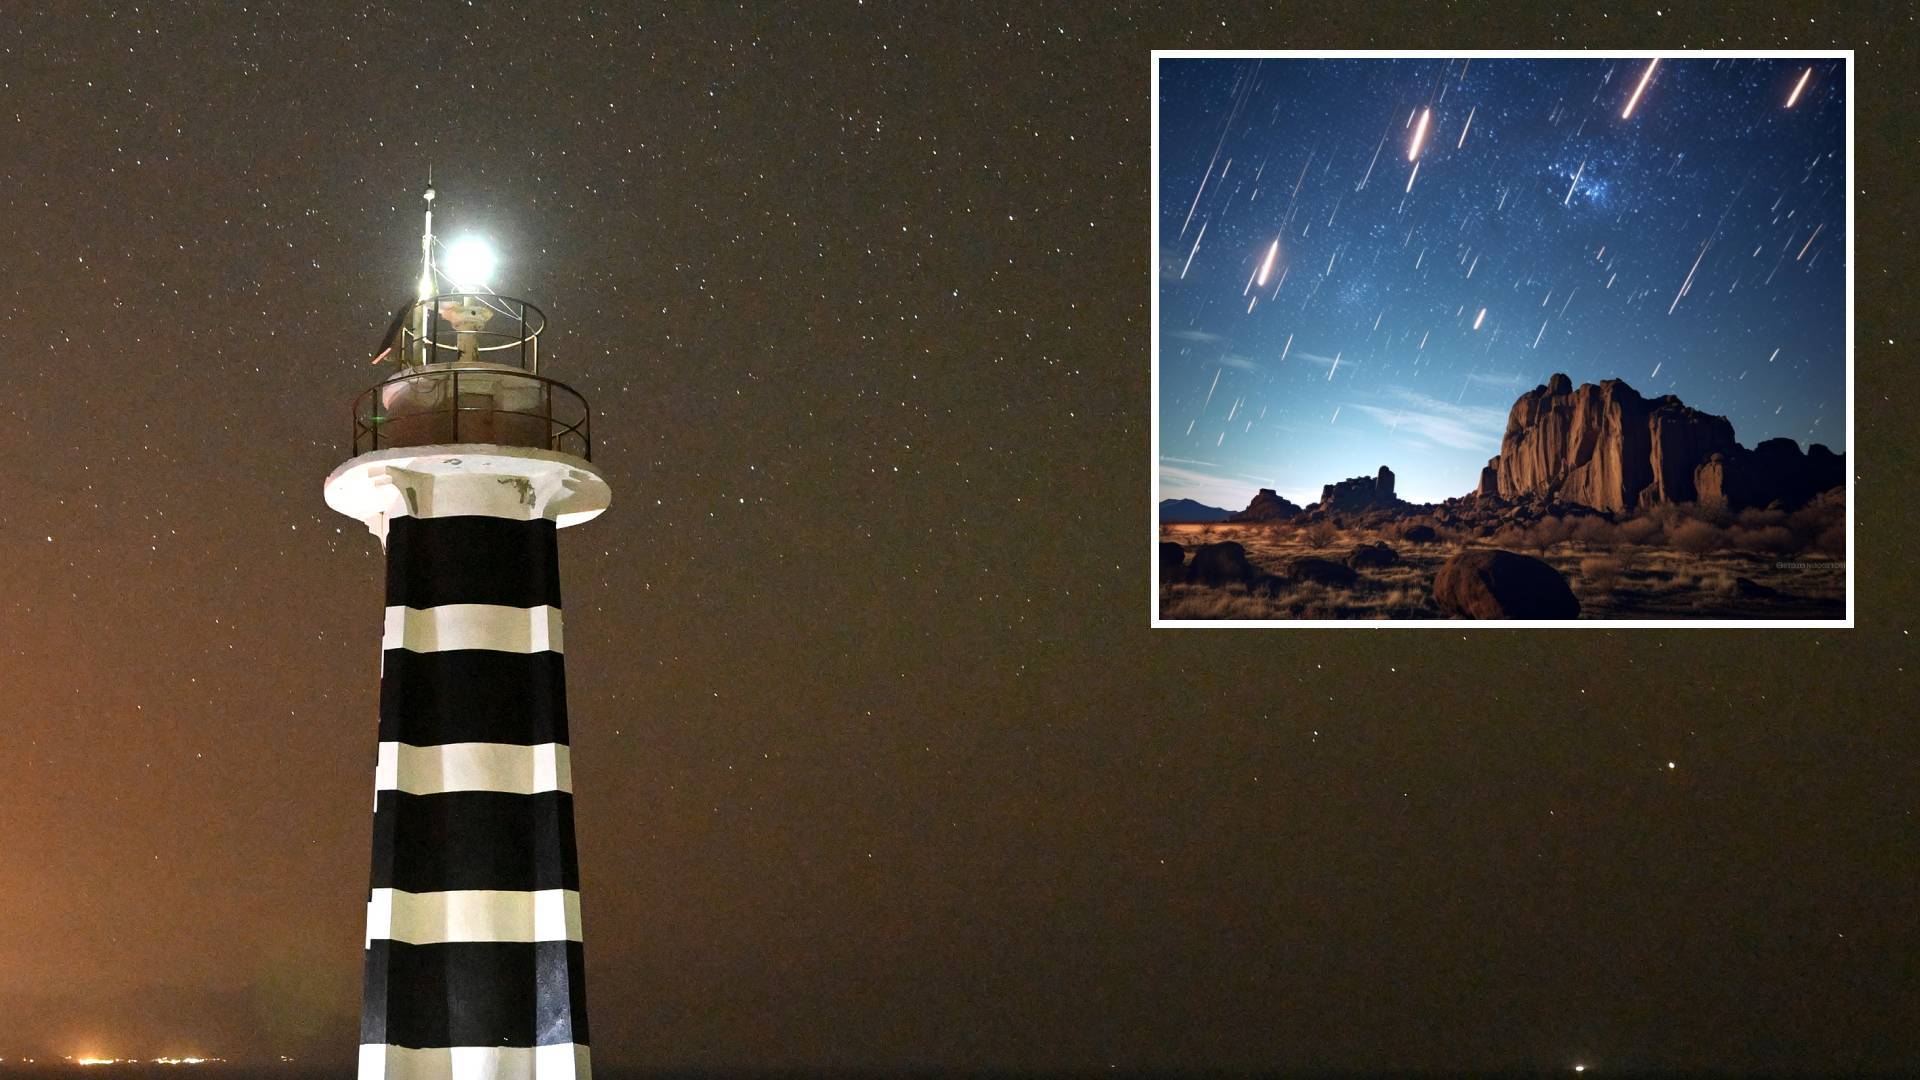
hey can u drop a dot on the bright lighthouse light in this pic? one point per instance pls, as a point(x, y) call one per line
point(470, 261)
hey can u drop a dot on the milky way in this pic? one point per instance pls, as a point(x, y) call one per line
point(1679, 224)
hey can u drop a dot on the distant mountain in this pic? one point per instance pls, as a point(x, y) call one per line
point(1184, 511)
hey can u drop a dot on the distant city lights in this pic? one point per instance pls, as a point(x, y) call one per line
point(89, 1059)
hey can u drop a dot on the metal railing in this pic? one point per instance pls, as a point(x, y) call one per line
point(500, 405)
point(422, 333)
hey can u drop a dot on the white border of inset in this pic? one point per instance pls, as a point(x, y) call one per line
point(1153, 284)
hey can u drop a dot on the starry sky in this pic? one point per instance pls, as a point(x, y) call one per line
point(878, 762)
point(1447, 233)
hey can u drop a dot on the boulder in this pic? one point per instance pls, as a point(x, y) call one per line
point(1219, 564)
point(1372, 555)
point(1267, 506)
point(1493, 584)
point(1323, 571)
point(1172, 556)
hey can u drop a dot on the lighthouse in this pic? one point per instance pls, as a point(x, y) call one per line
point(467, 461)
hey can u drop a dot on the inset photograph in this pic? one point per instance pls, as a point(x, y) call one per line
point(1487, 339)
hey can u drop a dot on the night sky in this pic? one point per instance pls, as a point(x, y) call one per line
point(878, 762)
point(1446, 234)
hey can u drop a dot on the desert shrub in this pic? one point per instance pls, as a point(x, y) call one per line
point(1812, 522)
point(1319, 534)
point(1711, 513)
point(1600, 571)
point(1712, 582)
point(1755, 518)
point(1596, 531)
point(1770, 539)
point(1645, 529)
point(1510, 536)
point(1544, 534)
point(1695, 537)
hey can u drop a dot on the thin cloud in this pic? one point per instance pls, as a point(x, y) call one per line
point(1497, 380)
point(1194, 335)
point(1324, 361)
point(1460, 427)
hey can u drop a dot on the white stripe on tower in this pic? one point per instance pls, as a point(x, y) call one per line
point(475, 1062)
point(473, 766)
point(473, 626)
point(473, 915)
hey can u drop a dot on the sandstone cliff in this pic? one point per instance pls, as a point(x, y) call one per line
point(1607, 447)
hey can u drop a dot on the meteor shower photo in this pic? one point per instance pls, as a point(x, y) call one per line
point(1503, 338)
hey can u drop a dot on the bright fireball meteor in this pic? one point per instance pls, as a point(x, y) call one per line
point(1266, 268)
point(1635, 99)
point(1478, 319)
point(1799, 86)
point(1419, 135)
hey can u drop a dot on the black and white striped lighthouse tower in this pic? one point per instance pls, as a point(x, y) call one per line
point(467, 463)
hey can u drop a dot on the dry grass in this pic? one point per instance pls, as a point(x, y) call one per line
point(1674, 563)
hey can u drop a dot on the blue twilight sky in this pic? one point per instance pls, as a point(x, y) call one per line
point(1695, 247)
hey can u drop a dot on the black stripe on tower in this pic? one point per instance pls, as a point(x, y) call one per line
point(483, 993)
point(472, 560)
point(474, 840)
point(473, 993)
point(473, 695)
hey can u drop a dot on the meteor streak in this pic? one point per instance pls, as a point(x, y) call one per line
point(1266, 268)
point(1289, 348)
point(1635, 99)
point(1477, 319)
point(1809, 243)
point(1797, 87)
point(1575, 184)
point(1216, 382)
point(1376, 157)
point(1196, 249)
point(1687, 284)
point(1416, 172)
point(1419, 135)
point(1537, 337)
point(1334, 368)
point(1464, 130)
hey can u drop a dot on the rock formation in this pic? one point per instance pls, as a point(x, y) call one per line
point(1361, 493)
point(1774, 471)
point(1606, 447)
point(1493, 584)
point(1266, 506)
